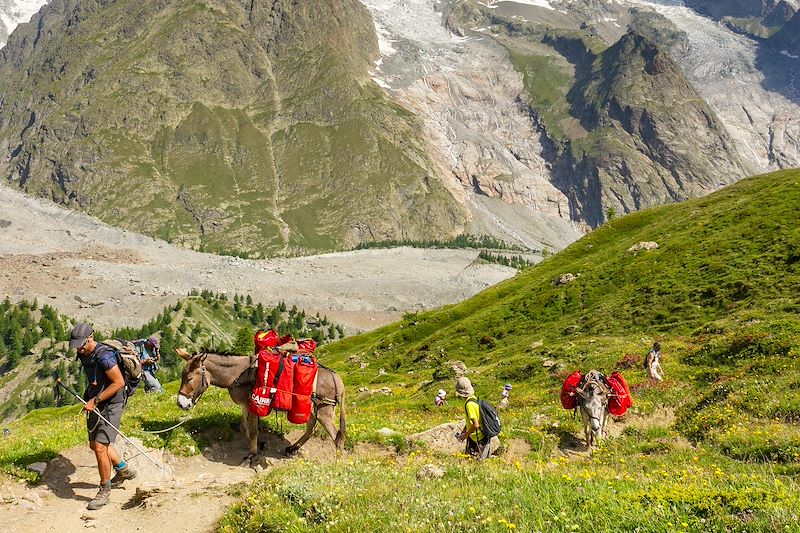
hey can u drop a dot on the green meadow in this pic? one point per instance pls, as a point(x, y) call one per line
point(715, 447)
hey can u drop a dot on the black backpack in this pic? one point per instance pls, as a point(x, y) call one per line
point(490, 422)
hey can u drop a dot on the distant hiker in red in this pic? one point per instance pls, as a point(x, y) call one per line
point(105, 393)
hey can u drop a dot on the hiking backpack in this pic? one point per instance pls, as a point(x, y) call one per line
point(490, 422)
point(129, 363)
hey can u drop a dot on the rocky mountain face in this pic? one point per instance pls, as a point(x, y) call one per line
point(289, 128)
point(757, 18)
point(736, 8)
point(623, 126)
point(748, 83)
point(652, 139)
point(225, 126)
point(788, 38)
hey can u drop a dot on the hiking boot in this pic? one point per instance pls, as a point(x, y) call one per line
point(103, 495)
point(122, 475)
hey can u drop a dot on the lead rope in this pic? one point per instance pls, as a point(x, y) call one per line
point(182, 422)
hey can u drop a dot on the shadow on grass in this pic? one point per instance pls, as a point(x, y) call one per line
point(218, 435)
point(567, 442)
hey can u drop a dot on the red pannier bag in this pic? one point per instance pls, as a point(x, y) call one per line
point(273, 389)
point(283, 340)
point(306, 346)
point(305, 370)
point(265, 339)
point(621, 399)
point(568, 398)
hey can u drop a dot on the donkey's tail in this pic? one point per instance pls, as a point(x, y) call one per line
point(342, 433)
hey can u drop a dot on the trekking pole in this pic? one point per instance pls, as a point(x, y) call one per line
point(104, 419)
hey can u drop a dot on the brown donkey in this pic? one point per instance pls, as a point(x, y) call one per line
point(237, 374)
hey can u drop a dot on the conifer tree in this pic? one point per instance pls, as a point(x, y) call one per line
point(244, 343)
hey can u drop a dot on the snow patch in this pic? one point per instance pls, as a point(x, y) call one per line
point(15, 12)
point(380, 82)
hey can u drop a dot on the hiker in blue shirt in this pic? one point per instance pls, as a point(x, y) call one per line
point(105, 394)
point(149, 351)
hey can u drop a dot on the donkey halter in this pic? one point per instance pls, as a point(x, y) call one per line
point(203, 381)
point(595, 381)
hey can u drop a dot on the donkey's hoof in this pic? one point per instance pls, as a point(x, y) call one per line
point(290, 451)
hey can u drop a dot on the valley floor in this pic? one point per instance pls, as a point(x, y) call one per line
point(116, 278)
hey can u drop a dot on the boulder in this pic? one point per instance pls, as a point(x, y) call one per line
point(39, 467)
point(429, 471)
point(146, 470)
point(563, 279)
point(442, 439)
point(458, 369)
point(644, 245)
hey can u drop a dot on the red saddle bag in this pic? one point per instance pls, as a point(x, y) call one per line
point(568, 398)
point(621, 399)
point(265, 339)
point(274, 382)
point(305, 370)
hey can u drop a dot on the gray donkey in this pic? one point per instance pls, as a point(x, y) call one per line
point(593, 393)
point(237, 374)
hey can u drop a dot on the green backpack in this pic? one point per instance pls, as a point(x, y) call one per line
point(129, 363)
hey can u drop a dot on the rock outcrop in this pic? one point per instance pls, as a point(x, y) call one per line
point(652, 138)
point(788, 38)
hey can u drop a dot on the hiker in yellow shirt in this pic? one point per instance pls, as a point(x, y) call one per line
point(477, 446)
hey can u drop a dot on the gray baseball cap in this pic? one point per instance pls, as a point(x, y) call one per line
point(153, 341)
point(79, 334)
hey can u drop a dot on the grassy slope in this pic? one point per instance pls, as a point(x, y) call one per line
point(728, 257)
point(720, 294)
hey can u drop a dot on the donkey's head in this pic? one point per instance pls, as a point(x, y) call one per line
point(194, 381)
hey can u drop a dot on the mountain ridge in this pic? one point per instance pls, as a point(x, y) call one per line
point(264, 131)
point(220, 138)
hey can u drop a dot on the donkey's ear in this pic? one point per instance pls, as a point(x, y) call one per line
point(183, 354)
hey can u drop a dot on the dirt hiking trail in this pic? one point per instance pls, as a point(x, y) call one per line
point(189, 495)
